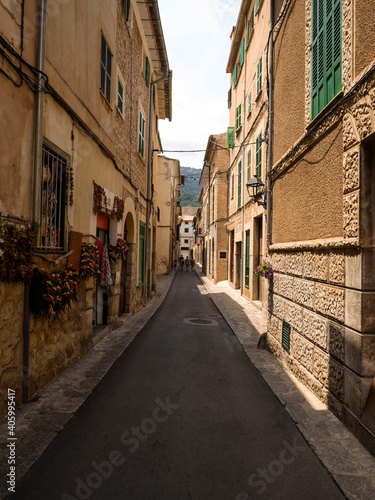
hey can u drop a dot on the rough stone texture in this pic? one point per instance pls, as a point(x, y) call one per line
point(293, 315)
point(351, 170)
point(286, 286)
point(11, 313)
point(315, 265)
point(363, 116)
point(350, 137)
point(303, 351)
point(304, 292)
point(360, 352)
point(294, 263)
point(279, 262)
point(274, 327)
point(315, 329)
point(336, 339)
point(351, 215)
point(330, 301)
point(337, 267)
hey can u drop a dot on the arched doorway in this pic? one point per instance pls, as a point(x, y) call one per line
point(127, 271)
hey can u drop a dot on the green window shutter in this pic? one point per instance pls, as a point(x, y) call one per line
point(242, 52)
point(249, 164)
point(259, 75)
point(258, 157)
point(257, 6)
point(141, 253)
point(141, 134)
point(126, 9)
point(247, 259)
point(250, 28)
point(147, 71)
point(249, 103)
point(120, 96)
point(326, 53)
point(229, 97)
point(239, 185)
point(235, 76)
point(238, 116)
point(230, 137)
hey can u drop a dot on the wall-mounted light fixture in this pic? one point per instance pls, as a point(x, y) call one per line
point(255, 184)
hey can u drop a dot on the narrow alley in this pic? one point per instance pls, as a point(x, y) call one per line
point(180, 416)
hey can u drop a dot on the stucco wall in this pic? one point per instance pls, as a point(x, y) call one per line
point(307, 198)
point(289, 80)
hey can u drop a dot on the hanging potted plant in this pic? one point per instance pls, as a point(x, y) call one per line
point(265, 270)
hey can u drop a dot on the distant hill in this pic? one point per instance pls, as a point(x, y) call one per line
point(190, 191)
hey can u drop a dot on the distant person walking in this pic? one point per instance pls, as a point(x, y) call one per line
point(181, 261)
point(187, 263)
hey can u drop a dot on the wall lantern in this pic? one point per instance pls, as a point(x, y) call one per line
point(255, 184)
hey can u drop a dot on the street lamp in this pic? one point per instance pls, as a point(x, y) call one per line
point(255, 183)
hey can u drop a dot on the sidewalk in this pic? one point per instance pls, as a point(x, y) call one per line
point(347, 461)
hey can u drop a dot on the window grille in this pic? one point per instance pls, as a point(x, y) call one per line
point(141, 134)
point(52, 208)
point(120, 96)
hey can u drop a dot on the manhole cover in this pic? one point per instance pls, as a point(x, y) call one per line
point(200, 321)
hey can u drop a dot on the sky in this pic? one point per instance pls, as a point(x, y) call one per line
point(197, 38)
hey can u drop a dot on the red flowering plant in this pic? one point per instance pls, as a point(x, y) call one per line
point(90, 259)
point(52, 294)
point(265, 270)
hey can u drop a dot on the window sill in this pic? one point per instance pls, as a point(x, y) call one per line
point(328, 108)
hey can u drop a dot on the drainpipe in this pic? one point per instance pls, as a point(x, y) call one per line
point(270, 126)
point(149, 184)
point(37, 161)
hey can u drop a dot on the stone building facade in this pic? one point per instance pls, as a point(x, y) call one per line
point(212, 235)
point(247, 144)
point(78, 132)
point(322, 300)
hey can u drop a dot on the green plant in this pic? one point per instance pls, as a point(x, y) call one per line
point(265, 270)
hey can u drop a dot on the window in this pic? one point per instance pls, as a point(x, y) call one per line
point(232, 186)
point(105, 69)
point(249, 103)
point(249, 164)
point(258, 3)
point(186, 241)
point(141, 134)
point(239, 184)
point(120, 96)
point(126, 9)
point(258, 157)
point(213, 201)
point(235, 76)
point(326, 54)
point(250, 28)
point(229, 97)
point(247, 259)
point(230, 137)
point(259, 75)
point(242, 52)
point(141, 255)
point(146, 70)
point(238, 117)
point(53, 201)
point(186, 229)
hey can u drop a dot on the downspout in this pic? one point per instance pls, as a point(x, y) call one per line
point(270, 127)
point(149, 184)
point(36, 183)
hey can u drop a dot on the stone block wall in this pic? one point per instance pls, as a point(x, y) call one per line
point(11, 314)
point(332, 342)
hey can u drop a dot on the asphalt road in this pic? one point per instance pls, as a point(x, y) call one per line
point(183, 414)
